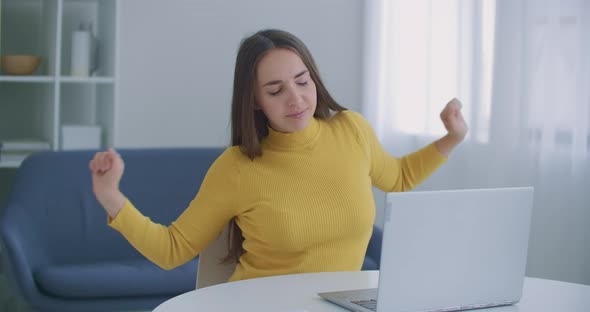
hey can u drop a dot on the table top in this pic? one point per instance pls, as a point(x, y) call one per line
point(298, 293)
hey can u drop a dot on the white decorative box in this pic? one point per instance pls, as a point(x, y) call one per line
point(77, 137)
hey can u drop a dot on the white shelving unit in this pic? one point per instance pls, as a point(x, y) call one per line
point(37, 106)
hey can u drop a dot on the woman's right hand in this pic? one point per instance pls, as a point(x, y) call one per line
point(107, 169)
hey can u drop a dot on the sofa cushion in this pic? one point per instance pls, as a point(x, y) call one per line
point(134, 278)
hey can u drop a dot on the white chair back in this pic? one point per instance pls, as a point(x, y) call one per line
point(210, 270)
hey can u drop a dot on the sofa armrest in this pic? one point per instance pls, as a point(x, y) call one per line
point(23, 247)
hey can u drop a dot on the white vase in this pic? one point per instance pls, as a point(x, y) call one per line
point(84, 45)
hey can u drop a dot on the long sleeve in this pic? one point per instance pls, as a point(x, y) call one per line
point(204, 218)
point(305, 205)
point(393, 174)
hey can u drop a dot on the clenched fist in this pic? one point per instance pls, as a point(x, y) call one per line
point(107, 169)
point(456, 127)
point(453, 120)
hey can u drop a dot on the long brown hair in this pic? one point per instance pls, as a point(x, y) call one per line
point(249, 125)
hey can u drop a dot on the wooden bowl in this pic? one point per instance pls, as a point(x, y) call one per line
point(20, 64)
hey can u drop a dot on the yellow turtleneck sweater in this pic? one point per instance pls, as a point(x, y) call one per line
point(305, 205)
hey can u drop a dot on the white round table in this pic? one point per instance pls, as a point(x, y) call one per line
point(298, 293)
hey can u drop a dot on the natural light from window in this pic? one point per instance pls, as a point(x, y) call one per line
point(439, 49)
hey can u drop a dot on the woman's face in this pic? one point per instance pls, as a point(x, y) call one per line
point(285, 91)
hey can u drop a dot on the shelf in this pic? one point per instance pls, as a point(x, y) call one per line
point(100, 14)
point(41, 104)
point(29, 27)
point(27, 110)
point(10, 164)
point(97, 80)
point(66, 79)
point(27, 78)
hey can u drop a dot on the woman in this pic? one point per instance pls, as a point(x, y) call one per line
point(296, 182)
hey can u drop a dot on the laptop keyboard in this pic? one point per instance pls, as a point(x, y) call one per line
point(371, 304)
point(367, 304)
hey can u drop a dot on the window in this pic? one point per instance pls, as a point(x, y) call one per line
point(432, 51)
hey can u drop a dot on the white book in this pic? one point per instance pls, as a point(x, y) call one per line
point(9, 164)
point(24, 145)
point(13, 157)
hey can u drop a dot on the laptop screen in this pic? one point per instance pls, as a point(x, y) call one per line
point(459, 248)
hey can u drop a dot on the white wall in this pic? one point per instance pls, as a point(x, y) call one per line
point(176, 61)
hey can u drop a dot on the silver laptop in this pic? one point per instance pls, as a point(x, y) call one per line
point(449, 251)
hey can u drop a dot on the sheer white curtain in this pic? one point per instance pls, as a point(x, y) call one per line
point(522, 71)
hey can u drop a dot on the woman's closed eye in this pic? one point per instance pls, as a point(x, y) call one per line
point(299, 83)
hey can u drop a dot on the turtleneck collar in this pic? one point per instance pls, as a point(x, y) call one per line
point(294, 140)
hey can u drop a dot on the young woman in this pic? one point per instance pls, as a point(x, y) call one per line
point(296, 183)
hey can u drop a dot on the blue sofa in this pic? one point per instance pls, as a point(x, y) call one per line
point(60, 255)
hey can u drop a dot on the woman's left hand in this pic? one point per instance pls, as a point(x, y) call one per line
point(453, 120)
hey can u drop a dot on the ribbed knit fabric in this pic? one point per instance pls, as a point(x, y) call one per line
point(305, 205)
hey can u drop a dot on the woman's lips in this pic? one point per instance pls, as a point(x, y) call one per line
point(297, 115)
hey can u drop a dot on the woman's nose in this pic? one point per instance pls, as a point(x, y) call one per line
point(294, 98)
